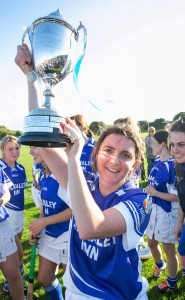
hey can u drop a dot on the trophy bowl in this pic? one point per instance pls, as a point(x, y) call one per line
point(53, 46)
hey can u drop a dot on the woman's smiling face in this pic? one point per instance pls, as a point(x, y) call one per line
point(177, 141)
point(37, 158)
point(115, 161)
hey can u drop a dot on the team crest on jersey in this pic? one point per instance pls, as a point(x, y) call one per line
point(147, 204)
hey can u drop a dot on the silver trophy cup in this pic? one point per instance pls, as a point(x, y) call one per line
point(53, 46)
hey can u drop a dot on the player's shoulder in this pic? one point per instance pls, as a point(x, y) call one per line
point(19, 166)
point(3, 165)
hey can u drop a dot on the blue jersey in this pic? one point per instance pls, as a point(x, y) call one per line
point(52, 204)
point(162, 178)
point(109, 268)
point(86, 154)
point(18, 176)
point(5, 184)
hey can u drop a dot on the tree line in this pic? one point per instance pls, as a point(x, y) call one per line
point(159, 124)
point(98, 126)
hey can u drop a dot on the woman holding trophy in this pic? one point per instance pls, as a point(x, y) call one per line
point(109, 214)
point(103, 262)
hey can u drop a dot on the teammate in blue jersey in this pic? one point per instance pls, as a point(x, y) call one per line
point(89, 141)
point(9, 260)
point(177, 139)
point(10, 150)
point(53, 225)
point(161, 186)
point(110, 215)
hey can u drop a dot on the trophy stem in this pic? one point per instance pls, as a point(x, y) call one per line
point(48, 100)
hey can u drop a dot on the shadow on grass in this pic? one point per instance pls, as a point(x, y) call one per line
point(154, 294)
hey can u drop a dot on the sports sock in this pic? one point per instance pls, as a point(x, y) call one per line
point(172, 281)
point(6, 285)
point(160, 264)
point(54, 291)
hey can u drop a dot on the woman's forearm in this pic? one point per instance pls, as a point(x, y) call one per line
point(58, 218)
point(33, 97)
point(180, 215)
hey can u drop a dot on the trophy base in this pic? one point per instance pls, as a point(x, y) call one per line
point(44, 139)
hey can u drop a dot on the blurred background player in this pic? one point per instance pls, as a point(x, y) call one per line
point(89, 141)
point(52, 228)
point(149, 152)
point(161, 186)
point(10, 150)
point(9, 260)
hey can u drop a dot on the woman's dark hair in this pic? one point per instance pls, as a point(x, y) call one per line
point(162, 136)
point(178, 126)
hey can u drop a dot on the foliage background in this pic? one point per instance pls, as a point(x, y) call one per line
point(96, 126)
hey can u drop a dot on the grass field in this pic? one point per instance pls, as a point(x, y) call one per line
point(31, 213)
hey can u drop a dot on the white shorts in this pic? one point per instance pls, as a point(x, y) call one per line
point(162, 225)
point(16, 220)
point(7, 241)
point(58, 256)
point(70, 296)
point(36, 196)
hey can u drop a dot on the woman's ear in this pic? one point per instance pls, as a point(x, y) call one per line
point(135, 165)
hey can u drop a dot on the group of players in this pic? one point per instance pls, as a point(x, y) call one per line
point(93, 215)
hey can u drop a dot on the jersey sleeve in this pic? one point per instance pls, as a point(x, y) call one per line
point(136, 215)
point(171, 187)
point(64, 195)
point(6, 182)
point(25, 179)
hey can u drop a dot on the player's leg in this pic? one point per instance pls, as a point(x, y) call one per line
point(11, 271)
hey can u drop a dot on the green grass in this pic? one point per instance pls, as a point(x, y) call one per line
point(31, 213)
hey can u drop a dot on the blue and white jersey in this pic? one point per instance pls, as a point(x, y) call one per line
point(18, 176)
point(110, 268)
point(52, 204)
point(5, 184)
point(162, 178)
point(86, 154)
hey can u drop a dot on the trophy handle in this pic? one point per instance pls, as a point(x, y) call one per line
point(82, 51)
point(64, 70)
point(81, 54)
point(29, 31)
